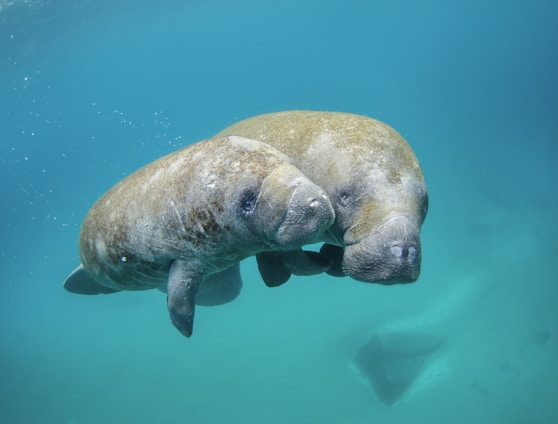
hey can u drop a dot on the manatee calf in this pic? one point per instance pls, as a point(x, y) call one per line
point(374, 182)
point(193, 215)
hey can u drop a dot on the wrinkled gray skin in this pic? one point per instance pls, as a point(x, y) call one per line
point(374, 182)
point(183, 222)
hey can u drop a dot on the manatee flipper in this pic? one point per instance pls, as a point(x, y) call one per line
point(273, 269)
point(306, 262)
point(277, 267)
point(182, 288)
point(333, 255)
point(221, 287)
point(81, 282)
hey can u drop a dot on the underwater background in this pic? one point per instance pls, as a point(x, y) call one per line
point(92, 90)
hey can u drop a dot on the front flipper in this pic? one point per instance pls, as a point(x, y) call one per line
point(220, 288)
point(82, 282)
point(333, 255)
point(273, 268)
point(182, 288)
point(277, 267)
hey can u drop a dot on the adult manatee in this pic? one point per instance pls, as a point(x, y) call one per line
point(374, 182)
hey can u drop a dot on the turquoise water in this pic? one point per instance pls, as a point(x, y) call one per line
point(92, 90)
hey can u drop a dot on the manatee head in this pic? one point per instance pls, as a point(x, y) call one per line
point(380, 207)
point(290, 210)
point(275, 203)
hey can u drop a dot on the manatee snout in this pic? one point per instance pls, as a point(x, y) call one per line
point(309, 213)
point(391, 254)
point(292, 210)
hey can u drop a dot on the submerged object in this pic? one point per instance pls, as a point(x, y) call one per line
point(391, 362)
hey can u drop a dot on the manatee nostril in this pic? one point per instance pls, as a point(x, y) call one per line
point(412, 254)
point(314, 206)
point(316, 209)
point(315, 203)
point(397, 251)
point(405, 252)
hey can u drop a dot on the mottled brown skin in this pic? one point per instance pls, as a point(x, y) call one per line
point(373, 179)
point(194, 214)
point(171, 208)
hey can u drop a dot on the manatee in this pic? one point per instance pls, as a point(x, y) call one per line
point(374, 182)
point(192, 216)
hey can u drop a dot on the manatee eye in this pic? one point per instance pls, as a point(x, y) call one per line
point(248, 202)
point(344, 198)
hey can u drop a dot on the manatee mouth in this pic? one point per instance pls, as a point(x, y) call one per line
point(391, 254)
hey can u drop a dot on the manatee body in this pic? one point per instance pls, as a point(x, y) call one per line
point(374, 182)
point(188, 218)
